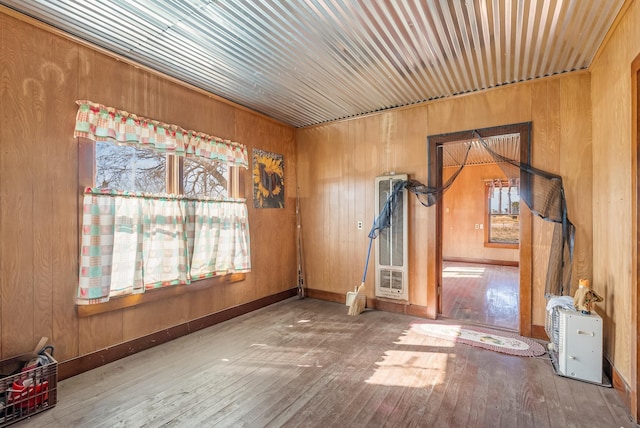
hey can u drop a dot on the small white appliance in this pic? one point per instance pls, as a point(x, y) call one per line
point(576, 344)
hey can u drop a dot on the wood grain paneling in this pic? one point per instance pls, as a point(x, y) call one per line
point(23, 94)
point(43, 74)
point(635, 318)
point(545, 153)
point(576, 165)
point(614, 202)
point(410, 158)
point(99, 332)
point(397, 141)
point(465, 206)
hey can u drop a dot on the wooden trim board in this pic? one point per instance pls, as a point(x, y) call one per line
point(634, 402)
point(525, 258)
point(482, 261)
point(618, 383)
point(385, 305)
point(538, 332)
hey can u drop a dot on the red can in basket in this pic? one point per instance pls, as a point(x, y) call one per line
point(27, 395)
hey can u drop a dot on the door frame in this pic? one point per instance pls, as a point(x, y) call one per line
point(434, 161)
point(635, 316)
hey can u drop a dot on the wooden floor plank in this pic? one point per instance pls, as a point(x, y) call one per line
point(307, 363)
point(481, 293)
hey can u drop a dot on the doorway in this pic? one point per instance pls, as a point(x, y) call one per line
point(481, 236)
point(483, 276)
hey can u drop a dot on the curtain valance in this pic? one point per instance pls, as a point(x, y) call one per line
point(100, 123)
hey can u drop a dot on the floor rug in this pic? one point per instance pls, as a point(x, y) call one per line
point(506, 343)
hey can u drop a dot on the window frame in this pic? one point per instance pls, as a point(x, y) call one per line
point(487, 230)
point(86, 174)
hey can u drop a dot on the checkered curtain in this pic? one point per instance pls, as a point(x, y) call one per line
point(132, 242)
point(221, 238)
point(100, 123)
point(164, 244)
point(96, 252)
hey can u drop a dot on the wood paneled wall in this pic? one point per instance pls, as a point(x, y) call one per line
point(338, 162)
point(615, 193)
point(465, 206)
point(42, 74)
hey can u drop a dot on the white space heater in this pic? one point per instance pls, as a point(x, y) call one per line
point(391, 246)
point(576, 344)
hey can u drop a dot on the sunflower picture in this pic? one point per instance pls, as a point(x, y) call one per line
point(268, 180)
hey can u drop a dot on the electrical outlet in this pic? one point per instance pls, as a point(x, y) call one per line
point(477, 226)
point(359, 225)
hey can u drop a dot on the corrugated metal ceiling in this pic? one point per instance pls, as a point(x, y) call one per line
point(507, 145)
point(305, 62)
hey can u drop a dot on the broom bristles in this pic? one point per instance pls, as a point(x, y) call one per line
point(359, 302)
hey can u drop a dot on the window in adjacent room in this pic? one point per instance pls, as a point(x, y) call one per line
point(503, 213)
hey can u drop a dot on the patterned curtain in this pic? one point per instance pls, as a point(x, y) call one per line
point(126, 268)
point(133, 242)
point(100, 123)
point(96, 252)
point(164, 244)
point(221, 238)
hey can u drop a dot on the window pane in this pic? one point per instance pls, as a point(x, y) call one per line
point(129, 168)
point(504, 218)
point(504, 228)
point(505, 200)
point(205, 177)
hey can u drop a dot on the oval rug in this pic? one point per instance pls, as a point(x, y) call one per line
point(504, 342)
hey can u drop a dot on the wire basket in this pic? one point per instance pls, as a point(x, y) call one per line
point(32, 390)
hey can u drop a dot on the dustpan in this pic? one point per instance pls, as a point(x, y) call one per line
point(351, 295)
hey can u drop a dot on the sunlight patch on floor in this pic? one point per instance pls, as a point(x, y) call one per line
point(462, 272)
point(413, 340)
point(410, 369)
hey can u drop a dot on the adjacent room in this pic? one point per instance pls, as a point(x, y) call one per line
point(319, 213)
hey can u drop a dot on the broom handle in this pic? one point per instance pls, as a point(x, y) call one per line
point(366, 264)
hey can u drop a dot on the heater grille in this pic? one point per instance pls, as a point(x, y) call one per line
point(391, 245)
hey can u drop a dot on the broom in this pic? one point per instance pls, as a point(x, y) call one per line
point(360, 300)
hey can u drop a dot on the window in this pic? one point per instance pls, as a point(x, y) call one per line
point(161, 209)
point(205, 177)
point(133, 169)
point(503, 212)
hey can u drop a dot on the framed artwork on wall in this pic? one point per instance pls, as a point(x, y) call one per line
point(268, 179)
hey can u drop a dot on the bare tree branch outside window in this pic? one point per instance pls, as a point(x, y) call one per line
point(204, 177)
point(129, 168)
point(138, 170)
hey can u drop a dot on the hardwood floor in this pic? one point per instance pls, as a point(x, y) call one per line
point(481, 294)
point(305, 363)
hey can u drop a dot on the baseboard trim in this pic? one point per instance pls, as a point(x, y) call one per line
point(482, 261)
point(386, 305)
point(75, 366)
point(617, 382)
point(538, 332)
point(404, 308)
point(328, 296)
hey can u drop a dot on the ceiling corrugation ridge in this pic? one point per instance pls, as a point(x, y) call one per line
point(306, 62)
point(453, 154)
